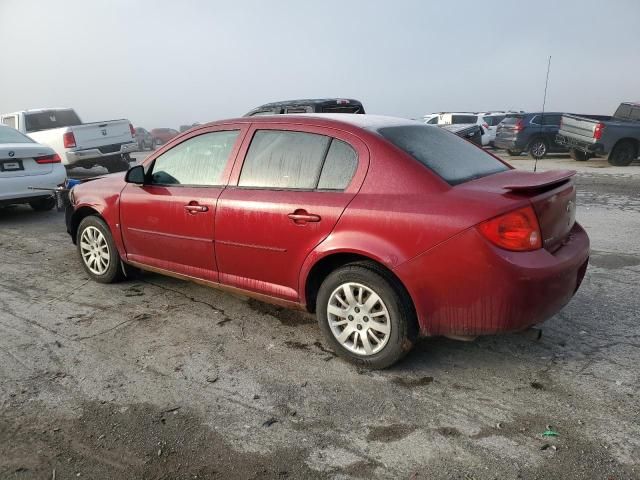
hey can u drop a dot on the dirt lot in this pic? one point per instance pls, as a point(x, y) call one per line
point(160, 379)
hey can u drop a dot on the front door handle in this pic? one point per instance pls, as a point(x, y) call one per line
point(194, 207)
point(301, 216)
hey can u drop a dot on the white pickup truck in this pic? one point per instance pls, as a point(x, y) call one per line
point(79, 144)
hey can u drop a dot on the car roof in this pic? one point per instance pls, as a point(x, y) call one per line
point(364, 121)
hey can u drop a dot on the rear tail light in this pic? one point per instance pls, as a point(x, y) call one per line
point(69, 140)
point(518, 230)
point(133, 131)
point(597, 132)
point(518, 127)
point(486, 126)
point(44, 159)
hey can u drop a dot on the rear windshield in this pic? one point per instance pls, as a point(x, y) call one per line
point(34, 122)
point(452, 158)
point(511, 119)
point(9, 135)
point(455, 119)
point(627, 112)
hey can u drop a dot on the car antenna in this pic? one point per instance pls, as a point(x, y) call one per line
point(544, 102)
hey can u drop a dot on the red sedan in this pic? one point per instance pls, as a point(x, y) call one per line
point(388, 229)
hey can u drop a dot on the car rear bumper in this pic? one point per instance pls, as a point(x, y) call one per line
point(78, 156)
point(467, 286)
point(16, 189)
point(582, 145)
point(508, 144)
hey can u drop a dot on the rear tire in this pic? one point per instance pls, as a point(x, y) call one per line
point(514, 153)
point(623, 154)
point(43, 204)
point(538, 148)
point(579, 155)
point(97, 250)
point(374, 334)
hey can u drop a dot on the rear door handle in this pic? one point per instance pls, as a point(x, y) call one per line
point(301, 216)
point(194, 207)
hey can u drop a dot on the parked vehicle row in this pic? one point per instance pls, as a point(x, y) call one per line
point(344, 215)
point(488, 121)
point(78, 144)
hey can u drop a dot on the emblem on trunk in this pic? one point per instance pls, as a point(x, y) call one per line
point(11, 153)
point(104, 132)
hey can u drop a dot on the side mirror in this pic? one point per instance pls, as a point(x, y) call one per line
point(135, 175)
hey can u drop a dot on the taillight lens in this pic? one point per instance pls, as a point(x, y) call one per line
point(44, 159)
point(69, 140)
point(133, 131)
point(597, 132)
point(518, 126)
point(517, 231)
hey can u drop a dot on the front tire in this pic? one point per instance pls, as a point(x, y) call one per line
point(538, 148)
point(43, 204)
point(97, 250)
point(366, 316)
point(623, 154)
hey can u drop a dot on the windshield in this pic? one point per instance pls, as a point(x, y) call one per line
point(455, 160)
point(45, 120)
point(9, 135)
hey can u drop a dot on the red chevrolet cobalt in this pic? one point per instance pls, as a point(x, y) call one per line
point(386, 228)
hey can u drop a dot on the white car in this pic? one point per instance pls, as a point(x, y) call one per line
point(24, 164)
point(487, 120)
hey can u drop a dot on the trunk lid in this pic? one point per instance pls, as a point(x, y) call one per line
point(17, 160)
point(552, 195)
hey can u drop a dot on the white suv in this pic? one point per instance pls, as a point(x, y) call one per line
point(487, 120)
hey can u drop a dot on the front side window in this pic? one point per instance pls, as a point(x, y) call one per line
point(449, 156)
point(198, 161)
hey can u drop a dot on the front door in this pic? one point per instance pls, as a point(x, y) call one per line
point(168, 222)
point(291, 191)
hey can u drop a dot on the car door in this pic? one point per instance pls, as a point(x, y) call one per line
point(168, 223)
point(551, 126)
point(289, 192)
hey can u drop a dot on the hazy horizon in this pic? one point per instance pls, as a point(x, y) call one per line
point(168, 63)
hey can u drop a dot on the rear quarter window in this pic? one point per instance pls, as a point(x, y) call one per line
point(453, 159)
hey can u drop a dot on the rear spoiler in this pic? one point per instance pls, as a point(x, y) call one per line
point(538, 181)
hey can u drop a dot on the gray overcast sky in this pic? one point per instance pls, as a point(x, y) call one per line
point(166, 63)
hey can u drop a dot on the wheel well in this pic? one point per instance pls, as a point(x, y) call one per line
point(77, 217)
point(328, 264)
point(633, 141)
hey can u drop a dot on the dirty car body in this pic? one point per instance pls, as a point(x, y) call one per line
point(387, 228)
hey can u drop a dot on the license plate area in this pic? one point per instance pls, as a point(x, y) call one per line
point(11, 166)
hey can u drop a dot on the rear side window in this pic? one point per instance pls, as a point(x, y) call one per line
point(297, 160)
point(452, 158)
point(627, 112)
point(339, 166)
point(464, 119)
point(282, 159)
point(550, 120)
point(198, 161)
point(34, 122)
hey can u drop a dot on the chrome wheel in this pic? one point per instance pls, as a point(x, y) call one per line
point(94, 250)
point(358, 319)
point(538, 149)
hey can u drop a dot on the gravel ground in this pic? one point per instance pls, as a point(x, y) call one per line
point(160, 379)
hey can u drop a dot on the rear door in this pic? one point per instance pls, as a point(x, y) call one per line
point(290, 191)
point(550, 125)
point(168, 223)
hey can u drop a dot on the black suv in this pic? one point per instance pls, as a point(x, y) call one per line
point(534, 133)
point(316, 105)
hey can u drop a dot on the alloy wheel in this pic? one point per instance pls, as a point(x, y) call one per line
point(94, 250)
point(358, 319)
point(538, 149)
